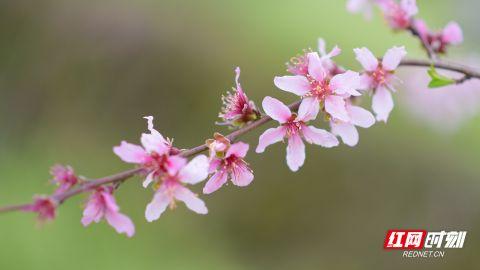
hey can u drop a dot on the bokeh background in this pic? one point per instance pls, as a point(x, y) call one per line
point(77, 76)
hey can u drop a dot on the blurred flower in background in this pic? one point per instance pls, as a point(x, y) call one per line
point(445, 109)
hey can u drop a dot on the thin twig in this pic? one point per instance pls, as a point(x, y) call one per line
point(117, 179)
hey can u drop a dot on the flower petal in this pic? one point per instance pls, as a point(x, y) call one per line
point(366, 59)
point(120, 222)
point(276, 109)
point(319, 136)
point(392, 58)
point(195, 171)
point(295, 152)
point(297, 85)
point(238, 149)
point(154, 141)
point(360, 117)
point(452, 34)
point(190, 199)
point(215, 182)
point(148, 179)
point(158, 204)
point(346, 83)
point(335, 106)
point(130, 153)
point(315, 67)
point(346, 131)
point(242, 175)
point(93, 211)
point(382, 103)
point(175, 163)
point(269, 137)
point(410, 7)
point(308, 109)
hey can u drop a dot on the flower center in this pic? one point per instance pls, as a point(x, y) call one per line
point(318, 89)
point(293, 127)
point(380, 76)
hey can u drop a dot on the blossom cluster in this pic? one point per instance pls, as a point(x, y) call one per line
point(322, 86)
point(400, 15)
point(327, 109)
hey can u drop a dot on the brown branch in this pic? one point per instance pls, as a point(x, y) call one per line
point(468, 72)
point(118, 178)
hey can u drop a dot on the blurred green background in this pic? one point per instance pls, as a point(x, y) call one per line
point(77, 76)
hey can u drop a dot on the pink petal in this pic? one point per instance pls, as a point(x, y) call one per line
point(315, 67)
point(195, 171)
point(238, 149)
point(242, 175)
point(121, 223)
point(346, 131)
point(366, 82)
point(366, 59)
point(130, 153)
point(153, 142)
point(276, 109)
point(392, 58)
point(190, 199)
point(382, 103)
point(421, 28)
point(308, 109)
point(346, 83)
point(175, 163)
point(297, 85)
point(237, 78)
point(109, 201)
point(295, 152)
point(149, 179)
point(215, 182)
point(269, 137)
point(335, 106)
point(452, 34)
point(214, 163)
point(360, 117)
point(158, 204)
point(319, 136)
point(93, 211)
point(410, 7)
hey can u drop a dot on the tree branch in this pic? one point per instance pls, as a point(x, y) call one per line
point(117, 179)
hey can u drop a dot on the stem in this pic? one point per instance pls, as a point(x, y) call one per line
point(468, 72)
point(122, 176)
point(118, 178)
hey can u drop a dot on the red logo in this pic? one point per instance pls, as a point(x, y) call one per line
point(404, 239)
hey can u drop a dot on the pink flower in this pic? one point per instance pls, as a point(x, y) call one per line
point(154, 156)
point(380, 77)
point(64, 177)
point(102, 204)
point(172, 187)
point(445, 109)
point(319, 86)
point(347, 130)
point(45, 207)
point(293, 127)
point(298, 65)
point(438, 42)
point(399, 15)
point(229, 165)
point(362, 6)
point(237, 108)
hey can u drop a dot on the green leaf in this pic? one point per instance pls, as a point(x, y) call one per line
point(438, 80)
